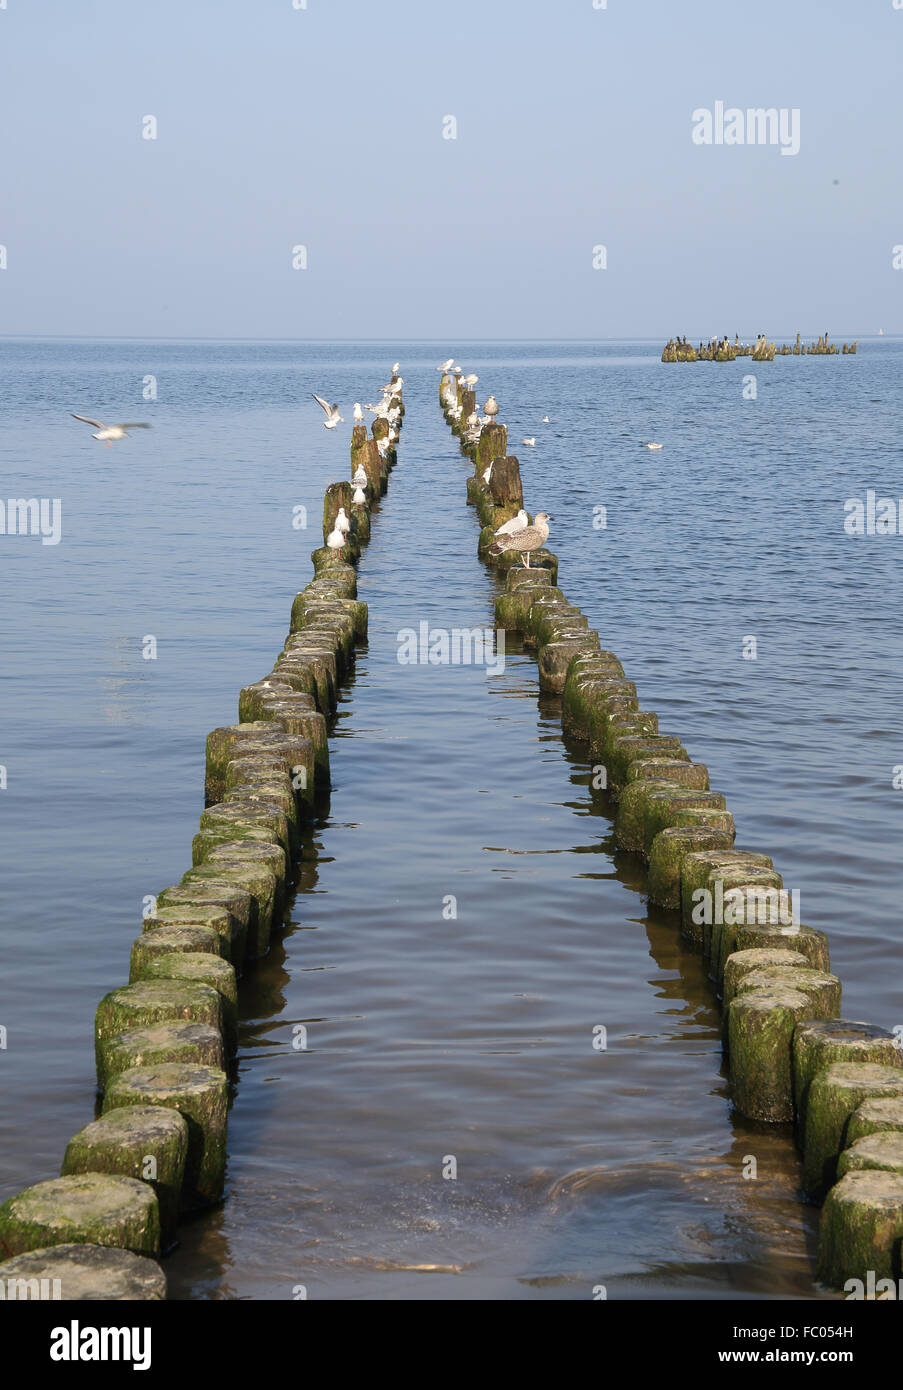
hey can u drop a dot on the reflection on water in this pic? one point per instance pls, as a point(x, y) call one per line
point(464, 1042)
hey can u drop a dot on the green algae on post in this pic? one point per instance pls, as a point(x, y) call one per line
point(669, 850)
point(834, 1094)
point(148, 1002)
point(142, 1142)
point(861, 1229)
point(200, 1095)
point(882, 1151)
point(885, 1112)
point(159, 1043)
point(161, 941)
point(760, 1026)
point(198, 967)
point(819, 1043)
point(83, 1209)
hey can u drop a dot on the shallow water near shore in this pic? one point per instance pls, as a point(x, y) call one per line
point(470, 1037)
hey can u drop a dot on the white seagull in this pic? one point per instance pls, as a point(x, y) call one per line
point(471, 380)
point(545, 420)
point(446, 366)
point(358, 413)
point(342, 523)
point(491, 408)
point(333, 417)
point(358, 500)
point(359, 476)
point(335, 540)
point(655, 446)
point(487, 475)
point(395, 367)
point(109, 432)
point(531, 442)
point(517, 523)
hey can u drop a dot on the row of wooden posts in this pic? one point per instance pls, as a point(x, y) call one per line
point(791, 1058)
point(164, 1041)
point(721, 350)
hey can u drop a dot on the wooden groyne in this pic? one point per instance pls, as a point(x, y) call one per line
point(722, 350)
point(165, 1038)
point(790, 1057)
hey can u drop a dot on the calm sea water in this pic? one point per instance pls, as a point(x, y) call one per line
point(468, 1038)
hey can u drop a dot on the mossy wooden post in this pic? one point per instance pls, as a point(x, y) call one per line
point(874, 1116)
point(148, 1002)
point(89, 1273)
point(177, 914)
point(197, 967)
point(760, 1026)
point(365, 454)
point(200, 1095)
point(834, 1094)
point(161, 941)
point(819, 1043)
point(337, 495)
point(669, 849)
point(511, 607)
point(468, 403)
point(505, 486)
point(159, 1043)
point(861, 1229)
point(83, 1209)
point(142, 1142)
point(491, 448)
point(881, 1152)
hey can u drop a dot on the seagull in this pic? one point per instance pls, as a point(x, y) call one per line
point(545, 420)
point(358, 500)
point(487, 475)
point(446, 366)
point(358, 413)
point(655, 446)
point(342, 523)
point(531, 441)
point(383, 446)
point(333, 417)
point(359, 476)
point(109, 432)
point(471, 380)
point(457, 372)
point(491, 408)
point(516, 524)
point(395, 368)
point(336, 539)
point(530, 538)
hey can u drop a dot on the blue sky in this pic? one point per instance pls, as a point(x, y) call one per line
point(323, 127)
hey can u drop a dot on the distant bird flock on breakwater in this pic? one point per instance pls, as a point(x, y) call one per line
point(722, 350)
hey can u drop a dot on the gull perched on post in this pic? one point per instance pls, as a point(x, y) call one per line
point(471, 380)
point(395, 367)
point(359, 500)
point(108, 433)
point(359, 476)
point(516, 524)
point(336, 539)
point(333, 417)
point(446, 366)
point(357, 413)
point(342, 523)
point(530, 538)
point(491, 408)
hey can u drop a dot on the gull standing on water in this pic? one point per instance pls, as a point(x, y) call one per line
point(109, 432)
point(333, 417)
point(516, 524)
point(530, 538)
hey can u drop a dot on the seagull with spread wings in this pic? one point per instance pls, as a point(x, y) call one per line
point(109, 432)
point(333, 417)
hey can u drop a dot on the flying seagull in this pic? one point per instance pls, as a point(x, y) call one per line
point(333, 417)
point(530, 538)
point(109, 432)
point(517, 523)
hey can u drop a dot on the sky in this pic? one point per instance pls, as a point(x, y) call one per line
point(324, 126)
